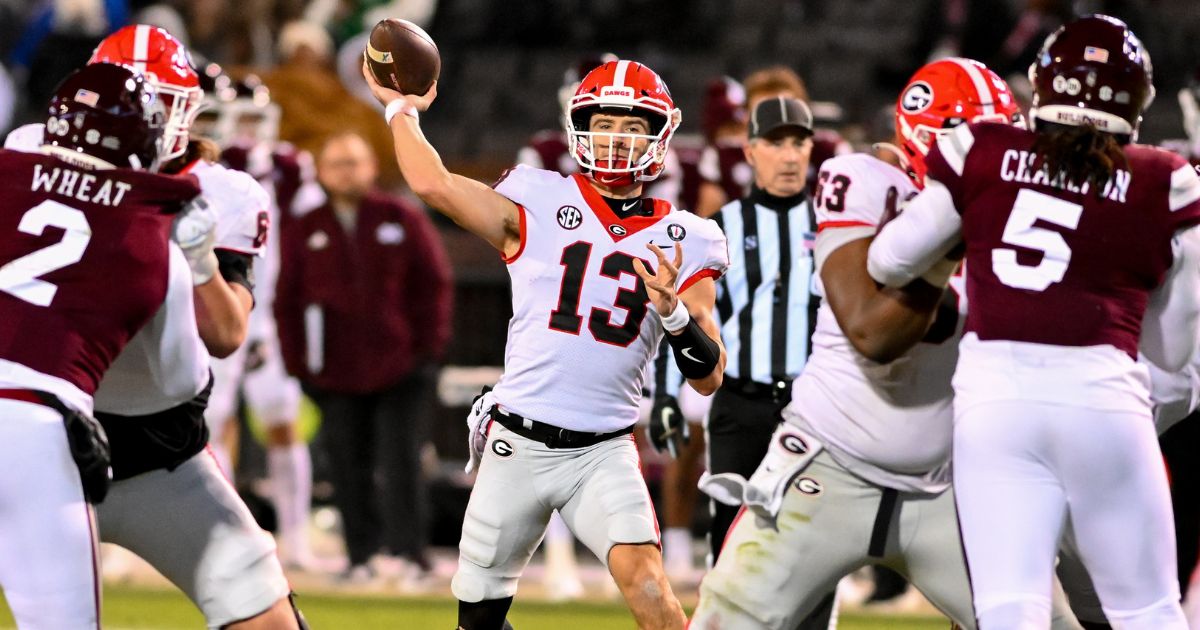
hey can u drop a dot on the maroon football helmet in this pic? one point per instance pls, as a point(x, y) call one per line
point(724, 102)
point(104, 115)
point(1093, 71)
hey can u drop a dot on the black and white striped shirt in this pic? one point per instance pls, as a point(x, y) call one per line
point(767, 339)
point(765, 302)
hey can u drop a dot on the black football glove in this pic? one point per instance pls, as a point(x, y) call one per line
point(668, 429)
point(256, 355)
point(89, 449)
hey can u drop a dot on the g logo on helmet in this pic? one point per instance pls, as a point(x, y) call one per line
point(916, 98)
point(793, 443)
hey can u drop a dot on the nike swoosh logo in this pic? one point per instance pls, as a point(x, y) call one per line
point(687, 354)
point(629, 206)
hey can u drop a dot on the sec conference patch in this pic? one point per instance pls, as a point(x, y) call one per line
point(502, 449)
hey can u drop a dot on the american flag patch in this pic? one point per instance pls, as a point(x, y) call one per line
point(1091, 53)
point(810, 240)
point(87, 97)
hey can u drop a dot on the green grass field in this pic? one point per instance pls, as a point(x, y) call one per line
point(127, 608)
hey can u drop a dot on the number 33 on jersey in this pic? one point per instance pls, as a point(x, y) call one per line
point(582, 331)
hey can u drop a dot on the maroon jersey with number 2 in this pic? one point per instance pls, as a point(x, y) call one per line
point(83, 265)
point(1053, 262)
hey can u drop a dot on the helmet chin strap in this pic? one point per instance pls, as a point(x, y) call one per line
point(76, 158)
point(612, 179)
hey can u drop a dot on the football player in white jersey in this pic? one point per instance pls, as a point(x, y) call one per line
point(243, 120)
point(859, 472)
point(170, 503)
point(587, 261)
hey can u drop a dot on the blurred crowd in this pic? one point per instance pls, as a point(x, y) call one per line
point(307, 51)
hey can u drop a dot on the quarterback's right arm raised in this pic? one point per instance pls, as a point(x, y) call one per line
point(471, 204)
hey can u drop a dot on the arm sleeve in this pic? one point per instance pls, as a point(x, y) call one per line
point(236, 268)
point(667, 379)
point(1169, 333)
point(913, 242)
point(431, 295)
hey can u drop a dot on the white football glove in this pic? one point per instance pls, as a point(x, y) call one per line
point(477, 427)
point(195, 231)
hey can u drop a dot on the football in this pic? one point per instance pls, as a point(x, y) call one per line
point(402, 56)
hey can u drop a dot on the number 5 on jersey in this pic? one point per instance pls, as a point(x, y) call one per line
point(1029, 207)
point(19, 277)
point(566, 318)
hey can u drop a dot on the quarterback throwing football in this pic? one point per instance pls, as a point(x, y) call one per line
point(589, 259)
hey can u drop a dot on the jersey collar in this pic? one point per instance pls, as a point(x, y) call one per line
point(780, 204)
point(615, 226)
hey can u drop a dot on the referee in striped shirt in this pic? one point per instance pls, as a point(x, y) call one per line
point(764, 302)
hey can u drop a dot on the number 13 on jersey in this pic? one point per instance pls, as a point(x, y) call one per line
point(566, 317)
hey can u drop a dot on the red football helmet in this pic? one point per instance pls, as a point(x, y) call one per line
point(573, 75)
point(625, 88)
point(105, 116)
point(1093, 71)
point(156, 53)
point(944, 94)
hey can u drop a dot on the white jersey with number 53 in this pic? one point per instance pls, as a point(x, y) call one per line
point(583, 329)
point(889, 423)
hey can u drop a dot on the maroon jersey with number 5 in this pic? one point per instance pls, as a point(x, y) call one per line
point(1057, 262)
point(83, 265)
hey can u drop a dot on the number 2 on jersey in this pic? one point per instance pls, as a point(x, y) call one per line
point(19, 277)
point(566, 318)
point(1029, 207)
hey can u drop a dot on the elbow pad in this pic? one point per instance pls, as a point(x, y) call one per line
point(696, 353)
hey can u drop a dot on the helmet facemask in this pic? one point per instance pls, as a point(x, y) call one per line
point(621, 88)
point(182, 106)
point(644, 153)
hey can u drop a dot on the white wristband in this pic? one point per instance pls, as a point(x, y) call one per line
point(399, 106)
point(677, 319)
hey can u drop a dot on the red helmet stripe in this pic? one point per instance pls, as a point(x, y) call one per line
point(619, 77)
point(981, 85)
point(141, 47)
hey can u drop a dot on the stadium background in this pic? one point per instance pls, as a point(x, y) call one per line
point(503, 64)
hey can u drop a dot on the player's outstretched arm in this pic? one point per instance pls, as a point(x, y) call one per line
point(882, 323)
point(918, 239)
point(471, 204)
point(692, 333)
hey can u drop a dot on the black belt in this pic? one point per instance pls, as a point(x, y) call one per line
point(550, 435)
point(779, 392)
point(883, 522)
